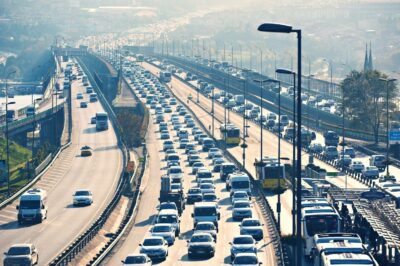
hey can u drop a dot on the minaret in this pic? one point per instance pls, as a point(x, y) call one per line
point(370, 65)
point(366, 63)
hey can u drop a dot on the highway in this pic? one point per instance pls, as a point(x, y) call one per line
point(149, 200)
point(270, 144)
point(99, 173)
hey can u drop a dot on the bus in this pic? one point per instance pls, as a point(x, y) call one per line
point(317, 217)
point(331, 138)
point(11, 115)
point(165, 76)
point(230, 133)
point(340, 249)
point(101, 121)
point(139, 58)
point(269, 172)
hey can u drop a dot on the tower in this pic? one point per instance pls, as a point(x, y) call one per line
point(370, 65)
point(366, 63)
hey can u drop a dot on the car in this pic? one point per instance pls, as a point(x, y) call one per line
point(210, 197)
point(168, 144)
point(207, 188)
point(137, 259)
point(330, 152)
point(196, 166)
point(168, 206)
point(370, 172)
point(357, 166)
point(82, 197)
point(155, 247)
point(21, 254)
point(190, 147)
point(315, 148)
point(192, 158)
point(239, 196)
point(168, 109)
point(167, 231)
point(88, 89)
point(206, 227)
point(201, 245)
point(343, 160)
point(194, 195)
point(212, 152)
point(253, 227)
point(241, 209)
point(83, 104)
point(217, 165)
point(243, 244)
point(93, 120)
point(79, 96)
point(246, 260)
point(350, 151)
point(164, 136)
point(183, 143)
point(378, 160)
point(86, 151)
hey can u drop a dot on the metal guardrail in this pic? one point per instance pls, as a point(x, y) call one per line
point(81, 241)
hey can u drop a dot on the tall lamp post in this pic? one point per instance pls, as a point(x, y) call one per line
point(261, 82)
point(7, 141)
point(280, 28)
point(387, 81)
point(34, 126)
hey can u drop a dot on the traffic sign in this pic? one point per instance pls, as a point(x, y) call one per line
point(394, 135)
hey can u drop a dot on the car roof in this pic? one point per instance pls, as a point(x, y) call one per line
point(22, 245)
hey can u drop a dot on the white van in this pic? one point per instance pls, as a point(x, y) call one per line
point(169, 216)
point(239, 181)
point(32, 206)
point(205, 212)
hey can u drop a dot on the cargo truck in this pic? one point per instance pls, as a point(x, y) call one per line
point(167, 194)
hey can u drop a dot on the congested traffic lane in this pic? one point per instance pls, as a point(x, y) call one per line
point(99, 173)
point(270, 144)
point(177, 254)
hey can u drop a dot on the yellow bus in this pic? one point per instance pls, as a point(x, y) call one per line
point(230, 133)
point(269, 172)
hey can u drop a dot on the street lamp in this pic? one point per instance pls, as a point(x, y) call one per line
point(387, 81)
point(261, 82)
point(280, 28)
point(34, 125)
point(7, 140)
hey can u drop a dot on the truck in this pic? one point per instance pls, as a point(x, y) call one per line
point(331, 138)
point(32, 206)
point(167, 194)
point(165, 76)
point(239, 99)
point(101, 121)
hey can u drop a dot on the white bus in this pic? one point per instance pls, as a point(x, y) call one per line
point(317, 217)
point(340, 249)
point(165, 76)
point(101, 121)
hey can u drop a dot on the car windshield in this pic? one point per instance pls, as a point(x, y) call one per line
point(29, 204)
point(240, 184)
point(205, 211)
point(209, 197)
point(201, 238)
point(152, 242)
point(206, 186)
point(82, 193)
point(205, 226)
point(15, 251)
point(161, 229)
point(239, 195)
point(135, 260)
point(245, 260)
point(168, 206)
point(251, 223)
point(175, 170)
point(194, 191)
point(241, 205)
point(243, 240)
point(167, 219)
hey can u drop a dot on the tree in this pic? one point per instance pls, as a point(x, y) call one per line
point(365, 99)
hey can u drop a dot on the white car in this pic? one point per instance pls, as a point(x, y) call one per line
point(243, 244)
point(371, 172)
point(357, 166)
point(155, 247)
point(253, 227)
point(206, 227)
point(246, 259)
point(19, 253)
point(241, 210)
point(167, 231)
point(136, 260)
point(239, 196)
point(82, 197)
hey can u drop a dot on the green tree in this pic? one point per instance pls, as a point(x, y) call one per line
point(365, 99)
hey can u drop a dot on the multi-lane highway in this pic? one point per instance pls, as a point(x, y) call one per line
point(270, 144)
point(99, 173)
point(145, 218)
